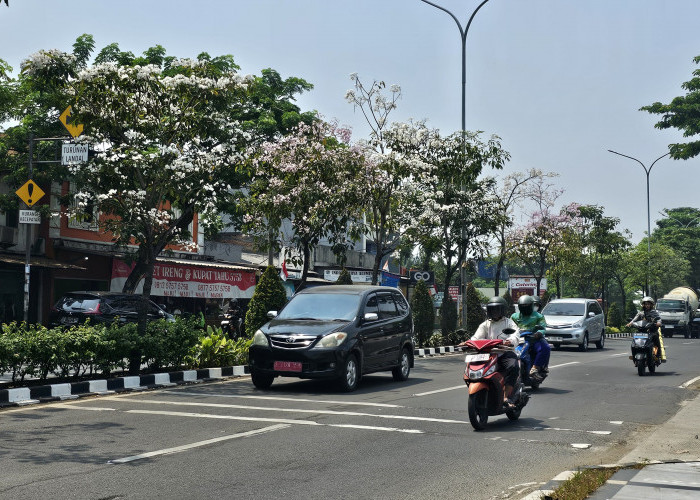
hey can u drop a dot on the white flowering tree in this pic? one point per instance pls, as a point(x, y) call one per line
point(446, 207)
point(309, 177)
point(386, 171)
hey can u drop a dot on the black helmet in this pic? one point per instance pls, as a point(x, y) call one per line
point(526, 305)
point(537, 303)
point(496, 308)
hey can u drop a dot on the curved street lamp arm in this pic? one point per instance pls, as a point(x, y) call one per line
point(632, 158)
point(658, 160)
point(461, 31)
point(466, 30)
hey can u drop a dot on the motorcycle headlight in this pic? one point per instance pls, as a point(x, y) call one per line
point(490, 370)
point(475, 374)
point(332, 340)
point(259, 338)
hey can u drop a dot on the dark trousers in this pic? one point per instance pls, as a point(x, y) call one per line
point(507, 364)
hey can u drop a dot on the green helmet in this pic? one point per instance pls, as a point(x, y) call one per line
point(496, 308)
point(526, 305)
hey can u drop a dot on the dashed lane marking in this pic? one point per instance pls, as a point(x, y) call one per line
point(299, 410)
point(273, 398)
point(270, 420)
point(179, 449)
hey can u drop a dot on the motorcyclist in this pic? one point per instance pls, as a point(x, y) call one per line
point(527, 319)
point(651, 315)
point(492, 328)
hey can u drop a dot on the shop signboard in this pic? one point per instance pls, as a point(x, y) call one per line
point(357, 276)
point(186, 280)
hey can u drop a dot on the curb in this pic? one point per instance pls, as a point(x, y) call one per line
point(546, 490)
point(22, 396)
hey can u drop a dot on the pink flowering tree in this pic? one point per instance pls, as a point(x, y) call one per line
point(309, 177)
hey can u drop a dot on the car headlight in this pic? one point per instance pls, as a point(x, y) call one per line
point(682, 322)
point(259, 338)
point(332, 340)
point(578, 324)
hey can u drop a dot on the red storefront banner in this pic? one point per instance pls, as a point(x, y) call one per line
point(186, 280)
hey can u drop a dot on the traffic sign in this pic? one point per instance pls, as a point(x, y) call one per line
point(29, 217)
point(74, 129)
point(30, 193)
point(72, 153)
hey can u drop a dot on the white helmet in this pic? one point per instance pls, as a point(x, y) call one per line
point(648, 299)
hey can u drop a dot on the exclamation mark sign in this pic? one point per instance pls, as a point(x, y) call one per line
point(30, 188)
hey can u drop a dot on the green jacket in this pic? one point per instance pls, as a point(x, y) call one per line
point(525, 323)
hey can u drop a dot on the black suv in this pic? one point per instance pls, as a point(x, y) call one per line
point(101, 307)
point(337, 331)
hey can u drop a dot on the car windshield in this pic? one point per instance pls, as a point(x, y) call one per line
point(670, 305)
point(78, 304)
point(564, 309)
point(323, 307)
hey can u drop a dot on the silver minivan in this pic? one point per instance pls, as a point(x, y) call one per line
point(574, 322)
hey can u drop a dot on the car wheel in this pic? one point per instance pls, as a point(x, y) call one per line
point(351, 374)
point(601, 343)
point(584, 344)
point(261, 380)
point(401, 372)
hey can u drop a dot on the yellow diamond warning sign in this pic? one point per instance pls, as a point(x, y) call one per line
point(74, 129)
point(30, 193)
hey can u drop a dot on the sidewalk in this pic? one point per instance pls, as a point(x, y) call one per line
point(672, 451)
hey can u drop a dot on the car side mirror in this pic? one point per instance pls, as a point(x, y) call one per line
point(371, 316)
point(591, 314)
point(271, 314)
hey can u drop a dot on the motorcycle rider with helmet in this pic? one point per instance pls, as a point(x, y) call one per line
point(651, 315)
point(492, 328)
point(527, 318)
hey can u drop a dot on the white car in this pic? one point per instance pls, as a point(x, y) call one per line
point(574, 322)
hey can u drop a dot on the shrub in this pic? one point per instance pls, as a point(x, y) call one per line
point(269, 295)
point(344, 278)
point(423, 311)
point(475, 314)
point(168, 343)
point(448, 316)
point(215, 349)
point(435, 340)
point(614, 315)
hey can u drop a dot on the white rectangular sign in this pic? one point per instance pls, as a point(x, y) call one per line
point(29, 217)
point(357, 276)
point(73, 153)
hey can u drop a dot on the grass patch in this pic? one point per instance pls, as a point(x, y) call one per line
point(585, 482)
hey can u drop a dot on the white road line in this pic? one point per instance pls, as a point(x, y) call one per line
point(684, 385)
point(272, 398)
point(178, 449)
point(428, 393)
point(463, 386)
point(278, 420)
point(619, 354)
point(300, 410)
point(602, 433)
point(616, 422)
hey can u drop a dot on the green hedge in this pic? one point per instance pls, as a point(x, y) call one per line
point(37, 352)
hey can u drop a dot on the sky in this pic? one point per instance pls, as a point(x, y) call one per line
point(559, 81)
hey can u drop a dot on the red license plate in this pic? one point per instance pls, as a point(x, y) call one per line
point(287, 366)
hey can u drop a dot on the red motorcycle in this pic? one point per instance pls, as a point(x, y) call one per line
point(486, 384)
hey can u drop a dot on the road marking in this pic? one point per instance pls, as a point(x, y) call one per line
point(618, 354)
point(602, 433)
point(178, 449)
point(272, 398)
point(300, 410)
point(581, 446)
point(684, 385)
point(440, 390)
point(616, 422)
point(428, 393)
point(278, 420)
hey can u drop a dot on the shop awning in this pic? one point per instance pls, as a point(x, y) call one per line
point(35, 261)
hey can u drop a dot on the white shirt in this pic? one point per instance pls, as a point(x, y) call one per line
point(491, 329)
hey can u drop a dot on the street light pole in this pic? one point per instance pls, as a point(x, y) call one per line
point(647, 171)
point(463, 35)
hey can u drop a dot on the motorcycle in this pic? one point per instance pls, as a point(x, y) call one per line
point(231, 323)
point(644, 353)
point(486, 384)
point(524, 350)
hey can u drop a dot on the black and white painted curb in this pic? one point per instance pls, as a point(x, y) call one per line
point(57, 392)
point(622, 477)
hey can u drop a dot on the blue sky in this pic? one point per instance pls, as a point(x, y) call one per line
point(560, 81)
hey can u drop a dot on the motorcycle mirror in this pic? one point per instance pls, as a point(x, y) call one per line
point(508, 331)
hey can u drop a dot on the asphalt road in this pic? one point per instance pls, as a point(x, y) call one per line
point(304, 439)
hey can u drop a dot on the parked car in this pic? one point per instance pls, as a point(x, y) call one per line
point(574, 322)
point(101, 307)
point(336, 332)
